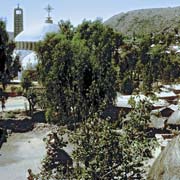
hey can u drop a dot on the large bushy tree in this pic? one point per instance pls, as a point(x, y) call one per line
point(77, 70)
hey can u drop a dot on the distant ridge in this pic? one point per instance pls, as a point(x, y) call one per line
point(146, 21)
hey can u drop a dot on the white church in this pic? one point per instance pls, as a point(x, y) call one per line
point(26, 39)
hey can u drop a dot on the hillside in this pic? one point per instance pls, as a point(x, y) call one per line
point(146, 20)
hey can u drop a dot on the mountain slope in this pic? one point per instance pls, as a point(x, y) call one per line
point(146, 20)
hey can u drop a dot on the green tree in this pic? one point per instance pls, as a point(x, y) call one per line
point(106, 153)
point(67, 28)
point(26, 81)
point(128, 60)
point(78, 73)
point(9, 65)
point(127, 86)
point(57, 164)
point(29, 92)
point(3, 41)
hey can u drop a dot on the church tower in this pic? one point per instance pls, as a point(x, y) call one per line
point(18, 20)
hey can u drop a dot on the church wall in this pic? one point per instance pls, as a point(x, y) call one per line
point(24, 45)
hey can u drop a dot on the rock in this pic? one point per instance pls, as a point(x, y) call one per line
point(167, 165)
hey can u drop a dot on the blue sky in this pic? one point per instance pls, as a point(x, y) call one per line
point(75, 10)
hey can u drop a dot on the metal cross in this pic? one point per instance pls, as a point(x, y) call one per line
point(48, 9)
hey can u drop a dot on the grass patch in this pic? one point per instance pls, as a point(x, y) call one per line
point(9, 115)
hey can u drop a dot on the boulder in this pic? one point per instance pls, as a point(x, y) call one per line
point(167, 165)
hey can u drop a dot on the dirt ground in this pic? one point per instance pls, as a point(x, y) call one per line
point(23, 151)
point(20, 152)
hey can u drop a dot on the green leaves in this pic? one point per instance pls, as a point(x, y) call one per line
point(78, 72)
point(9, 65)
point(97, 147)
point(26, 80)
point(106, 152)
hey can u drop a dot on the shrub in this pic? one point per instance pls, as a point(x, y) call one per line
point(19, 91)
point(9, 115)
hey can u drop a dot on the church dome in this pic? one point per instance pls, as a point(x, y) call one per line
point(27, 39)
point(38, 34)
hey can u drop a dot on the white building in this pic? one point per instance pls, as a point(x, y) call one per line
point(27, 40)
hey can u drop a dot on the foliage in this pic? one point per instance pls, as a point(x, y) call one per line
point(107, 153)
point(99, 149)
point(26, 81)
point(66, 28)
point(148, 53)
point(9, 115)
point(127, 86)
point(9, 65)
point(19, 91)
point(77, 70)
point(31, 96)
point(13, 88)
point(29, 92)
point(49, 114)
point(57, 164)
point(102, 151)
point(147, 60)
